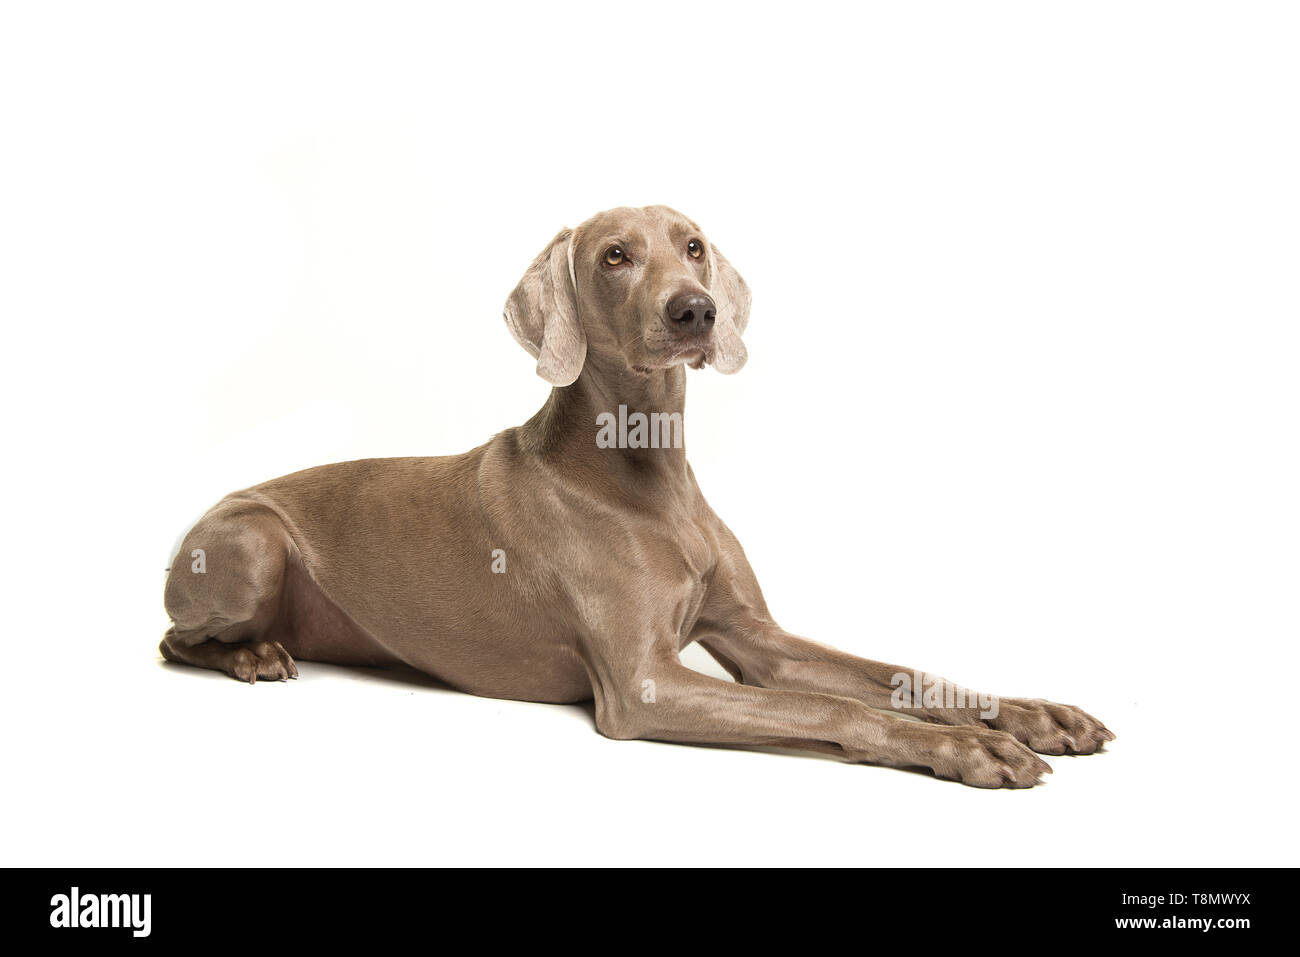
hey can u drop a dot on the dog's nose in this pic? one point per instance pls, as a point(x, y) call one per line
point(692, 312)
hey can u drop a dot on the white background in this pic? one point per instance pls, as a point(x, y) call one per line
point(1020, 406)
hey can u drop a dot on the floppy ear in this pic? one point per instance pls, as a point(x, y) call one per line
point(731, 296)
point(542, 313)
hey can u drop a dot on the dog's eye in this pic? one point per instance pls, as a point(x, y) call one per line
point(614, 255)
point(695, 249)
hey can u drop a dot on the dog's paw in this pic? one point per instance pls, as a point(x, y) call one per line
point(984, 758)
point(260, 659)
point(1050, 728)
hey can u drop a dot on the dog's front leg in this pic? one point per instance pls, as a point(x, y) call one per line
point(735, 627)
point(643, 691)
point(769, 657)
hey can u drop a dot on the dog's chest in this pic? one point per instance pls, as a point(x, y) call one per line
point(694, 556)
point(696, 551)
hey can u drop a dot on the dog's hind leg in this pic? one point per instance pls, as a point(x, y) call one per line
point(246, 660)
point(225, 592)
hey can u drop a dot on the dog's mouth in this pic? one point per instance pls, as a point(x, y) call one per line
point(694, 351)
point(697, 358)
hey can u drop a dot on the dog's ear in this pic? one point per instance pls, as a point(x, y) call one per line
point(731, 296)
point(542, 313)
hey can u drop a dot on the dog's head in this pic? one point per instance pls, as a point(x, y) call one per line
point(641, 286)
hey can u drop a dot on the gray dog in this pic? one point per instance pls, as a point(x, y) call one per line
point(563, 562)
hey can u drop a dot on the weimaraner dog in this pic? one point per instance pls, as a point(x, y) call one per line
point(573, 557)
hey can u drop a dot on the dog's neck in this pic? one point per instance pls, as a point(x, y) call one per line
point(568, 426)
